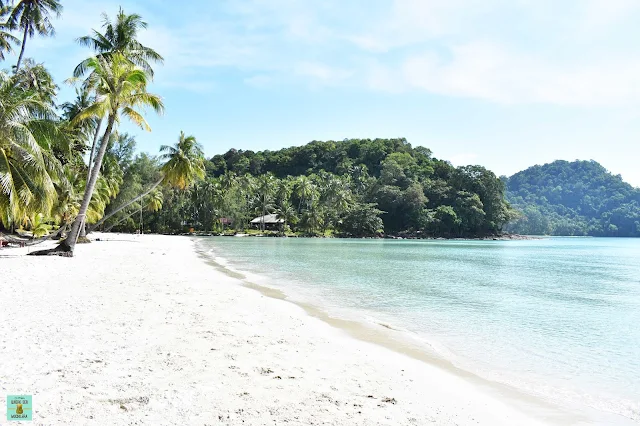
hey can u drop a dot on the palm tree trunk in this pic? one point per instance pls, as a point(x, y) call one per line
point(93, 146)
point(65, 248)
point(83, 228)
point(125, 205)
point(24, 43)
point(70, 242)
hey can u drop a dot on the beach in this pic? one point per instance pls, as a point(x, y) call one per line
point(143, 330)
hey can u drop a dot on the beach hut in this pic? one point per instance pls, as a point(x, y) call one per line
point(268, 221)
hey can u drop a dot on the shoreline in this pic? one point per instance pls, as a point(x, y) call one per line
point(400, 342)
point(132, 326)
point(270, 234)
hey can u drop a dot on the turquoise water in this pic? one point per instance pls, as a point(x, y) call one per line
point(558, 318)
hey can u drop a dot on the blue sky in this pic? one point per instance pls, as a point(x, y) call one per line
point(502, 83)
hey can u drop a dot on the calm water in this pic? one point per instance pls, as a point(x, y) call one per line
point(559, 318)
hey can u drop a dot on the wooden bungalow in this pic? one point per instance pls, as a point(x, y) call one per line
point(268, 222)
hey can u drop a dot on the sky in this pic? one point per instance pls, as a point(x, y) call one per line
point(502, 83)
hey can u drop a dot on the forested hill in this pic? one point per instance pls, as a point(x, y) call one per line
point(573, 198)
point(354, 187)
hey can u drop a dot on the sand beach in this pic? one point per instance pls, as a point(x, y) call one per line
point(142, 330)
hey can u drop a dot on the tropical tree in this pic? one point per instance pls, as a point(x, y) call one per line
point(39, 226)
point(184, 165)
point(7, 40)
point(28, 169)
point(286, 212)
point(303, 189)
point(120, 36)
point(265, 189)
point(120, 88)
point(36, 77)
point(361, 220)
point(80, 130)
point(31, 17)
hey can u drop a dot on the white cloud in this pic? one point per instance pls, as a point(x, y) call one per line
point(506, 51)
point(487, 71)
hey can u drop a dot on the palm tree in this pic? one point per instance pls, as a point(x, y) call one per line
point(287, 212)
point(28, 169)
point(36, 77)
point(185, 162)
point(184, 165)
point(154, 203)
point(120, 37)
point(120, 87)
point(83, 129)
point(264, 196)
point(303, 190)
point(33, 16)
point(6, 38)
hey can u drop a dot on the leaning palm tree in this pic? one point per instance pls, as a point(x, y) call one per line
point(120, 87)
point(184, 165)
point(120, 37)
point(31, 17)
point(28, 169)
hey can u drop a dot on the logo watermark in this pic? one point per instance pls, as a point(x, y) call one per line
point(19, 407)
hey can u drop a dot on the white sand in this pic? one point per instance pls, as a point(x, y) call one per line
point(140, 330)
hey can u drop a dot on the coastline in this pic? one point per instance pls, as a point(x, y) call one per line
point(140, 328)
point(272, 234)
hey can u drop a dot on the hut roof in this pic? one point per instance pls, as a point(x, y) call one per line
point(268, 219)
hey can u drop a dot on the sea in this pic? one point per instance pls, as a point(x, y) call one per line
point(555, 318)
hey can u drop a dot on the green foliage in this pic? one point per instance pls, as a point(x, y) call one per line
point(355, 187)
point(184, 162)
point(577, 198)
point(361, 220)
point(28, 168)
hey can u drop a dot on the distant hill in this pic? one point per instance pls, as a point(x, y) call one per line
point(573, 198)
point(402, 189)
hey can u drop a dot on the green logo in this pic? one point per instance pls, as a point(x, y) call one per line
point(19, 407)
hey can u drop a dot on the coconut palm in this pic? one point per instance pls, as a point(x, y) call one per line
point(7, 40)
point(120, 88)
point(39, 226)
point(303, 190)
point(287, 212)
point(28, 169)
point(31, 17)
point(82, 129)
point(185, 162)
point(120, 36)
point(154, 203)
point(265, 189)
point(184, 165)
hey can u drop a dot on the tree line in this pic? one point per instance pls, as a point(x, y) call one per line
point(355, 187)
point(45, 182)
